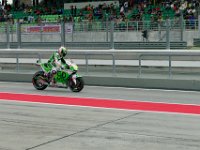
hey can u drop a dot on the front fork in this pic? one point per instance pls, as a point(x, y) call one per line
point(74, 78)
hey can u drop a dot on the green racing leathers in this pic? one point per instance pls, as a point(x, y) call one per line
point(56, 62)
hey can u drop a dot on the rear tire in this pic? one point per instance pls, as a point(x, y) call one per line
point(38, 80)
point(79, 85)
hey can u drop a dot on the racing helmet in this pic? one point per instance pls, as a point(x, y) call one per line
point(62, 51)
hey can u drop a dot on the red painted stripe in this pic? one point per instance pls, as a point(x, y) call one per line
point(104, 103)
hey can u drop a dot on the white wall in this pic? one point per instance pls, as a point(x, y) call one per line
point(96, 37)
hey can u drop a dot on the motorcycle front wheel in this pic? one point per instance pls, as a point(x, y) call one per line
point(78, 86)
point(38, 81)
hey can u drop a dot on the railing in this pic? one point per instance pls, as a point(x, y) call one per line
point(114, 56)
point(170, 55)
point(110, 32)
point(45, 54)
point(99, 26)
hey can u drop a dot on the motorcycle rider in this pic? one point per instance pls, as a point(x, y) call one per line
point(57, 62)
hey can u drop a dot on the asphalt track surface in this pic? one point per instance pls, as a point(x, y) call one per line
point(44, 125)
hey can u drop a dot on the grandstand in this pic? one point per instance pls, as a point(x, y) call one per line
point(96, 10)
point(93, 15)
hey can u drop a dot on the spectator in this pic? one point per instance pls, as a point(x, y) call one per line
point(72, 10)
point(188, 7)
point(30, 18)
point(39, 21)
point(122, 10)
point(126, 6)
point(1, 6)
point(59, 19)
point(131, 3)
point(191, 21)
point(75, 11)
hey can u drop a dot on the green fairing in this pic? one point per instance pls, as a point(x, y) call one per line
point(61, 76)
point(71, 68)
point(46, 67)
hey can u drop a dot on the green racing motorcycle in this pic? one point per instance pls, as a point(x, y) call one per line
point(63, 78)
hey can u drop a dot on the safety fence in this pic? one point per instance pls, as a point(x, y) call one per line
point(96, 26)
point(126, 62)
point(123, 31)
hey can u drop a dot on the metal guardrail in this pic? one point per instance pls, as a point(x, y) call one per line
point(106, 55)
point(46, 53)
point(167, 54)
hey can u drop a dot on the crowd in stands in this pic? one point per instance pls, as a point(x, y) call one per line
point(4, 11)
point(132, 10)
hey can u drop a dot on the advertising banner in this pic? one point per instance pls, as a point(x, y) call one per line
point(48, 29)
point(44, 29)
point(33, 29)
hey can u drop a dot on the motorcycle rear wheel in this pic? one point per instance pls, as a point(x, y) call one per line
point(38, 81)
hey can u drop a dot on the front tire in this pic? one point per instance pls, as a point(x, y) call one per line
point(79, 85)
point(38, 81)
